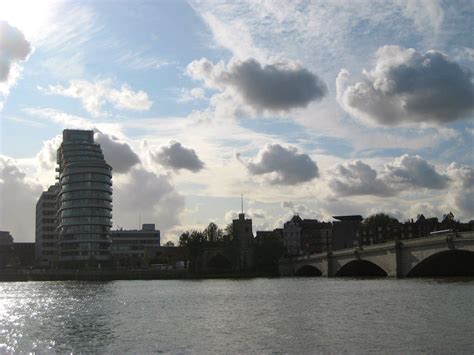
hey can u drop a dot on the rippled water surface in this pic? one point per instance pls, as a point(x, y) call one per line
point(258, 315)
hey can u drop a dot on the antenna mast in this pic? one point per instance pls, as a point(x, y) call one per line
point(242, 202)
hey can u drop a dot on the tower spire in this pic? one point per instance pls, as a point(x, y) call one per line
point(242, 202)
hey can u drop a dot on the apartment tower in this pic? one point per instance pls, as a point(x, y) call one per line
point(84, 201)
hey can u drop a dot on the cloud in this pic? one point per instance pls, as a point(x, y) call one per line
point(47, 156)
point(143, 194)
point(461, 175)
point(301, 210)
point(177, 157)
point(187, 95)
point(140, 61)
point(119, 155)
point(273, 87)
point(283, 166)
point(358, 178)
point(424, 13)
point(462, 194)
point(251, 213)
point(405, 172)
point(413, 171)
point(17, 194)
point(94, 96)
point(13, 48)
point(59, 117)
point(406, 86)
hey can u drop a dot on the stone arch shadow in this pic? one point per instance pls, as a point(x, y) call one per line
point(361, 268)
point(308, 271)
point(447, 263)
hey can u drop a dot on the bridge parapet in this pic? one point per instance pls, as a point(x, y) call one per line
point(395, 258)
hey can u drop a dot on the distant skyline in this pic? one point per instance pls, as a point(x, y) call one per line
point(317, 108)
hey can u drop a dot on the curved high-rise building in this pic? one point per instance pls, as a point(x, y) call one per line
point(84, 201)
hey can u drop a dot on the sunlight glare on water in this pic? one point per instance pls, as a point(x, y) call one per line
point(258, 315)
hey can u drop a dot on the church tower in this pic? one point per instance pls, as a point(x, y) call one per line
point(243, 242)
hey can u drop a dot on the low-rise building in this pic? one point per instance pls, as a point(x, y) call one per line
point(46, 234)
point(129, 247)
point(306, 236)
point(6, 248)
point(346, 231)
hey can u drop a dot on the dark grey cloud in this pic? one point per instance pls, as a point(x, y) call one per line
point(177, 157)
point(274, 87)
point(119, 155)
point(413, 171)
point(13, 48)
point(404, 173)
point(407, 86)
point(284, 166)
point(147, 196)
point(17, 194)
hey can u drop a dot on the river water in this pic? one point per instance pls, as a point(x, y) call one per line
point(244, 316)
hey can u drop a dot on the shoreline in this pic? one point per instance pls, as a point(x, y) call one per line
point(112, 275)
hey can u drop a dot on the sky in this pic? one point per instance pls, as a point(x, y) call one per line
point(316, 108)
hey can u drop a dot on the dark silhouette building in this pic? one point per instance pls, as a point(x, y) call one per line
point(346, 231)
point(46, 234)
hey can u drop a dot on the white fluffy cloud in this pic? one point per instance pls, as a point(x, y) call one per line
point(462, 196)
point(405, 172)
point(358, 178)
point(282, 166)
point(13, 48)
point(17, 194)
point(406, 86)
point(413, 171)
point(118, 154)
point(250, 213)
point(177, 157)
point(273, 87)
point(94, 96)
point(47, 156)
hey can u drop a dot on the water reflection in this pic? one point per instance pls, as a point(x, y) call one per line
point(259, 315)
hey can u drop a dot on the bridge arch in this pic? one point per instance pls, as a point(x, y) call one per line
point(453, 262)
point(308, 270)
point(361, 267)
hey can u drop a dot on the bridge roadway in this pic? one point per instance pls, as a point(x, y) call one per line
point(448, 254)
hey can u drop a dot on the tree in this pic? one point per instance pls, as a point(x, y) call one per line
point(229, 231)
point(380, 220)
point(212, 233)
point(449, 217)
point(184, 239)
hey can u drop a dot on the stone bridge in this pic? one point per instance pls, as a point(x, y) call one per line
point(448, 254)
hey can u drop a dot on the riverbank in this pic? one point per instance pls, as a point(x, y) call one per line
point(113, 274)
